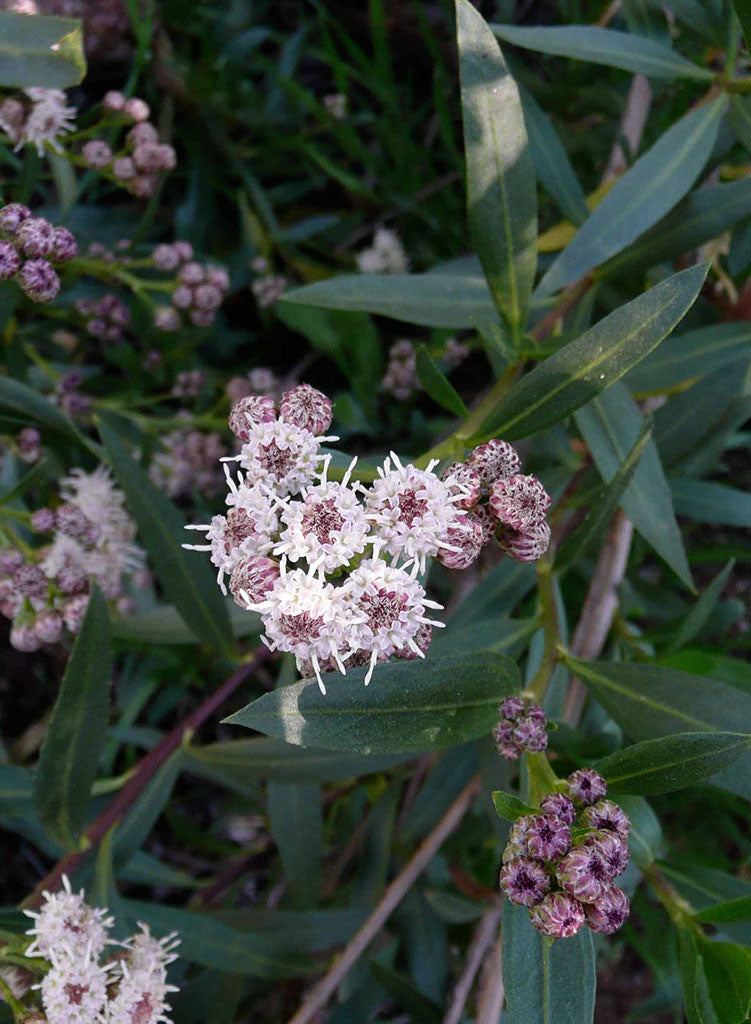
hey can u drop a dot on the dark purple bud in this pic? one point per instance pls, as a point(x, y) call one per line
point(71, 521)
point(609, 911)
point(10, 261)
point(512, 708)
point(28, 444)
point(64, 245)
point(43, 520)
point(585, 786)
point(525, 546)
point(255, 576)
point(35, 237)
point(613, 849)
point(558, 915)
point(524, 881)
point(74, 610)
point(606, 815)
point(530, 735)
point(548, 838)
point(583, 874)
point(38, 280)
point(12, 216)
point(31, 581)
point(559, 806)
point(71, 581)
point(10, 560)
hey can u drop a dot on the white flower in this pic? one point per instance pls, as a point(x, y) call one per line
point(48, 118)
point(139, 998)
point(74, 991)
point(145, 953)
point(280, 455)
point(326, 527)
point(412, 511)
point(307, 617)
point(390, 605)
point(65, 923)
point(385, 255)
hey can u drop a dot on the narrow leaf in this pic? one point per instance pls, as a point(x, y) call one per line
point(551, 161)
point(501, 196)
point(725, 913)
point(70, 754)
point(582, 369)
point(605, 46)
point(610, 425)
point(671, 762)
point(437, 385)
point(701, 611)
point(647, 191)
point(186, 577)
point(685, 356)
point(424, 706)
point(711, 502)
point(40, 50)
point(297, 827)
point(19, 400)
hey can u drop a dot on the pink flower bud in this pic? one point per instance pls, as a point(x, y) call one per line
point(519, 502)
point(307, 408)
point(557, 915)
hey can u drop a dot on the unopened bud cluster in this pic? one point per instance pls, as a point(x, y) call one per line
point(562, 863)
point(505, 503)
point(401, 379)
point(522, 727)
point(30, 248)
point(36, 117)
point(199, 288)
point(141, 158)
point(269, 287)
point(189, 463)
point(68, 396)
point(106, 318)
point(83, 981)
point(90, 537)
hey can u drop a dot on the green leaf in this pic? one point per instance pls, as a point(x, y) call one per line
point(406, 994)
point(551, 161)
point(728, 972)
point(430, 300)
point(40, 50)
point(605, 503)
point(671, 762)
point(19, 400)
point(163, 624)
point(297, 827)
point(610, 425)
point(684, 356)
point(16, 787)
point(501, 195)
point(605, 46)
point(238, 763)
point(443, 785)
point(70, 753)
point(437, 385)
point(510, 807)
point(697, 617)
point(546, 983)
point(206, 941)
point(137, 824)
point(297, 931)
point(186, 577)
point(425, 706)
point(696, 997)
point(727, 912)
point(645, 835)
point(647, 191)
point(648, 701)
point(711, 502)
point(579, 371)
point(743, 10)
point(454, 909)
point(704, 214)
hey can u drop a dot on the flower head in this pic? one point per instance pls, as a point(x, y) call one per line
point(307, 408)
point(548, 838)
point(519, 502)
point(586, 786)
point(281, 455)
point(465, 478)
point(528, 545)
point(66, 923)
point(612, 848)
point(494, 460)
point(74, 990)
point(559, 806)
point(48, 119)
point(606, 815)
point(608, 912)
point(583, 873)
point(557, 915)
point(524, 881)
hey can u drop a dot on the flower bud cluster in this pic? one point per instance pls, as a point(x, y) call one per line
point(82, 983)
point(67, 395)
point(106, 318)
point(189, 463)
point(29, 246)
point(562, 863)
point(506, 503)
point(522, 728)
point(385, 255)
point(401, 379)
point(37, 117)
point(262, 381)
point(119, 253)
point(330, 565)
point(90, 537)
point(141, 158)
point(199, 288)
point(28, 445)
point(269, 289)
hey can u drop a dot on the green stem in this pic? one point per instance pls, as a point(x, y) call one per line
point(19, 1010)
point(549, 622)
point(680, 911)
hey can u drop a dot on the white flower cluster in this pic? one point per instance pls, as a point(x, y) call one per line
point(92, 538)
point(40, 117)
point(82, 985)
point(331, 566)
point(385, 255)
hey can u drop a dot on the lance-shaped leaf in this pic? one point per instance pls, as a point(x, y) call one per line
point(501, 195)
point(186, 577)
point(697, 617)
point(582, 369)
point(551, 161)
point(409, 706)
point(710, 502)
point(646, 192)
point(671, 762)
point(546, 983)
point(610, 425)
point(19, 401)
point(604, 504)
point(510, 807)
point(73, 744)
point(297, 827)
point(604, 46)
point(693, 354)
point(40, 50)
point(435, 382)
